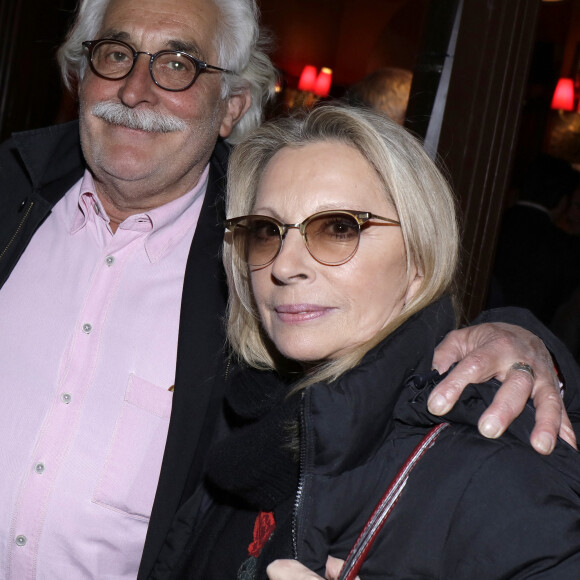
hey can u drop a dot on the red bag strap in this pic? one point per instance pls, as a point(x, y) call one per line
point(383, 509)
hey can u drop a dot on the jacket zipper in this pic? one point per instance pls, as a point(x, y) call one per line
point(22, 222)
point(228, 365)
point(301, 482)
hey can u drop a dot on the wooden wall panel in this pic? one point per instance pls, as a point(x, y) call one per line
point(480, 121)
point(480, 126)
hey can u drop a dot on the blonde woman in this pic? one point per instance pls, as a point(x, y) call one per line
point(341, 251)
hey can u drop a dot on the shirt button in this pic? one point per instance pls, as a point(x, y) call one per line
point(21, 540)
point(87, 328)
point(66, 398)
point(109, 260)
point(39, 468)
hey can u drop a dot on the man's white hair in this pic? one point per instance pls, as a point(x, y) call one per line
point(239, 43)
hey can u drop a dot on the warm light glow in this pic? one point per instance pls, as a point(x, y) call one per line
point(323, 82)
point(307, 78)
point(564, 95)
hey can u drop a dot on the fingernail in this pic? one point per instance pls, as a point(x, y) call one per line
point(438, 405)
point(490, 427)
point(544, 443)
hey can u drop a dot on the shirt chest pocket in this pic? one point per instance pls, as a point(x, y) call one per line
point(129, 476)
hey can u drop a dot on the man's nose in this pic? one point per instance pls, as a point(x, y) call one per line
point(139, 86)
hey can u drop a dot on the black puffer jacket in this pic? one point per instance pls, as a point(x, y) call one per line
point(472, 508)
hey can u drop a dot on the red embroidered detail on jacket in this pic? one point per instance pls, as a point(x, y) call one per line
point(263, 528)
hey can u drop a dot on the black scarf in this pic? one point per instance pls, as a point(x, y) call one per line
point(255, 461)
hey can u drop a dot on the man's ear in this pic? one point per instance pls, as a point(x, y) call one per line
point(236, 108)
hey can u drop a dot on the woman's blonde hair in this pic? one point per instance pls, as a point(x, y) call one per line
point(412, 184)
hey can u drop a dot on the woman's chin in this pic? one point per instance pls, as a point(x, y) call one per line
point(304, 355)
point(310, 355)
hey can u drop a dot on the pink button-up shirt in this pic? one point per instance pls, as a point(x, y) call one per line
point(89, 324)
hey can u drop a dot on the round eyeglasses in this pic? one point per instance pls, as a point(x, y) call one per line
point(172, 70)
point(332, 237)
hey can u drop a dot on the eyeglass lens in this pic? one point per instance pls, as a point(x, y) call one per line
point(331, 238)
point(171, 69)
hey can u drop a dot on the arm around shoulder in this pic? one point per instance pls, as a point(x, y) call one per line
point(566, 365)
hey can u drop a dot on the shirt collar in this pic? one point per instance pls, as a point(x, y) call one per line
point(84, 205)
point(165, 225)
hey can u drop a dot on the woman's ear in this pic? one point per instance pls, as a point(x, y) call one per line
point(413, 288)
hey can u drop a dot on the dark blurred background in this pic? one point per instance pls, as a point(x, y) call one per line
point(483, 75)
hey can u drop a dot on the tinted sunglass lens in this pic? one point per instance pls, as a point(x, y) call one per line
point(332, 238)
point(257, 240)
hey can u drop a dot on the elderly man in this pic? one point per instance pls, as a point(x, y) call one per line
point(103, 276)
point(112, 289)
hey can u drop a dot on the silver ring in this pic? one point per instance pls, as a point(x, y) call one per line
point(522, 366)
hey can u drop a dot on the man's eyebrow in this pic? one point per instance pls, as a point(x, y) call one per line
point(183, 46)
point(115, 35)
point(179, 45)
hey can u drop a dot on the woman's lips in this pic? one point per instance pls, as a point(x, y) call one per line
point(293, 313)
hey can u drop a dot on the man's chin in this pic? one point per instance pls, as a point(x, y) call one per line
point(130, 168)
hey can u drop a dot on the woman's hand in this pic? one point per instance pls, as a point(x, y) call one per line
point(293, 570)
point(489, 350)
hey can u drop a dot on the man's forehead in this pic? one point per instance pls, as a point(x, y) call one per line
point(179, 44)
point(188, 25)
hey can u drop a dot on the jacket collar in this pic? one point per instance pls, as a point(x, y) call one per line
point(40, 148)
point(350, 418)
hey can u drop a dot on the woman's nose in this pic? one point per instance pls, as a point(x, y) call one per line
point(293, 261)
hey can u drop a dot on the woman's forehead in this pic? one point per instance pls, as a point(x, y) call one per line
point(320, 176)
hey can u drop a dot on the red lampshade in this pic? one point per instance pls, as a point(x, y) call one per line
point(322, 85)
point(564, 95)
point(307, 78)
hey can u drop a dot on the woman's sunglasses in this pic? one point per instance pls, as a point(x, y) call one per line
point(332, 237)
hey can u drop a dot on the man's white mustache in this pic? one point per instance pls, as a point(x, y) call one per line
point(142, 119)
